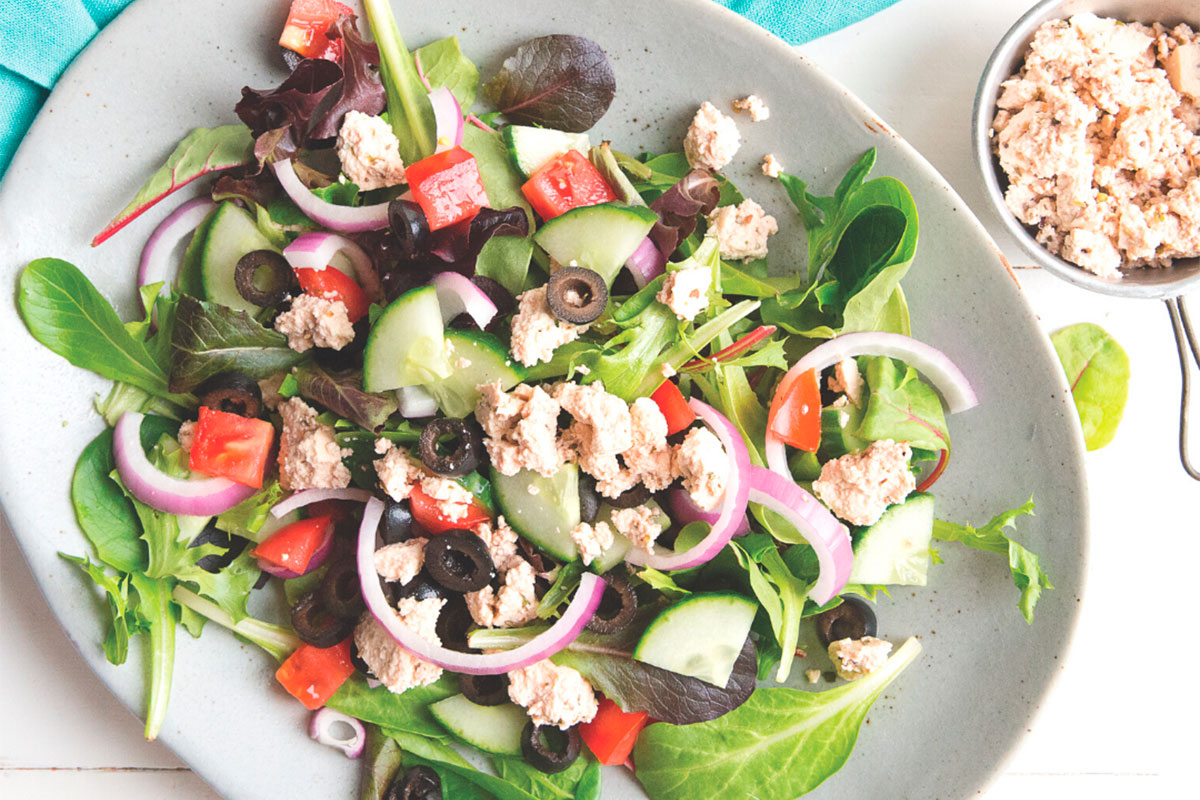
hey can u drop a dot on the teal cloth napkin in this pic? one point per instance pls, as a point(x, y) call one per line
point(41, 37)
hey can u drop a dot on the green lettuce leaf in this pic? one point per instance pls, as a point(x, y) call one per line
point(445, 65)
point(901, 406)
point(1097, 369)
point(505, 259)
point(501, 181)
point(104, 513)
point(407, 712)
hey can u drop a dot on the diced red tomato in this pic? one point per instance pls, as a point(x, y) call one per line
point(795, 414)
point(612, 734)
point(306, 26)
point(292, 546)
point(569, 181)
point(428, 514)
point(447, 187)
point(330, 281)
point(673, 406)
point(231, 446)
point(313, 674)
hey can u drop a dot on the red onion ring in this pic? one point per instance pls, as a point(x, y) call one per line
point(447, 119)
point(310, 496)
point(457, 295)
point(646, 263)
point(733, 502)
point(316, 251)
point(155, 261)
point(199, 497)
point(321, 729)
point(415, 402)
point(576, 615)
point(684, 511)
point(352, 219)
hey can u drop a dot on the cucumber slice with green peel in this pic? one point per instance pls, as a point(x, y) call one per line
point(700, 636)
point(895, 550)
point(836, 424)
point(406, 345)
point(188, 280)
point(601, 238)
point(532, 148)
point(493, 729)
point(232, 234)
point(543, 510)
point(475, 358)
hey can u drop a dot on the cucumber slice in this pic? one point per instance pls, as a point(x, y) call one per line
point(543, 510)
point(601, 238)
point(700, 636)
point(405, 346)
point(532, 148)
point(895, 550)
point(188, 280)
point(483, 359)
point(836, 439)
point(231, 234)
point(493, 729)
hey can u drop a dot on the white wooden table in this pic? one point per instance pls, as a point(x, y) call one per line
point(1116, 723)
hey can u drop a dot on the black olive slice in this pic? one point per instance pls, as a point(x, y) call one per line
point(484, 690)
point(467, 452)
point(459, 561)
point(233, 392)
point(576, 295)
point(454, 622)
point(357, 662)
point(422, 588)
point(340, 590)
point(549, 749)
point(314, 623)
point(350, 356)
point(630, 498)
point(589, 498)
point(248, 274)
point(852, 619)
point(409, 228)
point(215, 562)
point(396, 524)
point(418, 783)
point(618, 605)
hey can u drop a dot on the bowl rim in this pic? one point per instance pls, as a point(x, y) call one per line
point(999, 66)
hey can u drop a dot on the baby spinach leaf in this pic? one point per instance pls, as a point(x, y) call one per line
point(65, 312)
point(449, 764)
point(343, 395)
point(501, 181)
point(545, 786)
point(901, 407)
point(103, 511)
point(589, 787)
point(408, 105)
point(384, 757)
point(784, 742)
point(1027, 571)
point(407, 712)
point(505, 259)
point(202, 151)
point(557, 81)
point(445, 65)
point(1097, 369)
point(209, 339)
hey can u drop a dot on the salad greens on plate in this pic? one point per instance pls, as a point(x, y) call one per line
point(554, 461)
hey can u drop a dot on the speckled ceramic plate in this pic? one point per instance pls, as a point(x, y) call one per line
point(164, 67)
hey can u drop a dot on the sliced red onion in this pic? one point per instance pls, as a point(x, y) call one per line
point(828, 537)
point(447, 119)
point(317, 251)
point(310, 496)
point(576, 615)
point(156, 255)
point(323, 728)
point(457, 295)
point(198, 497)
point(935, 365)
point(353, 219)
point(415, 402)
point(319, 557)
point(684, 511)
point(646, 263)
point(733, 503)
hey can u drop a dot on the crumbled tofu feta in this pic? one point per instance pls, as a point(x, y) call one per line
point(521, 428)
point(754, 105)
point(553, 695)
point(515, 603)
point(648, 459)
point(186, 436)
point(501, 541)
point(314, 321)
point(401, 561)
point(601, 428)
point(591, 540)
point(771, 166)
point(397, 472)
point(536, 332)
point(639, 525)
point(847, 379)
point(454, 499)
point(854, 658)
point(685, 291)
point(369, 152)
point(270, 390)
point(712, 139)
point(860, 486)
point(309, 456)
point(704, 466)
point(391, 664)
point(812, 675)
point(742, 230)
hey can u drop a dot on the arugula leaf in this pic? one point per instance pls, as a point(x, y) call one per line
point(1027, 572)
point(247, 518)
point(1097, 369)
point(662, 582)
point(408, 105)
point(344, 396)
point(604, 159)
point(202, 151)
point(501, 181)
point(104, 513)
point(784, 742)
point(159, 615)
point(278, 640)
point(558, 81)
point(779, 592)
point(65, 312)
point(209, 339)
point(445, 65)
point(901, 406)
point(568, 578)
point(407, 712)
point(121, 618)
point(505, 259)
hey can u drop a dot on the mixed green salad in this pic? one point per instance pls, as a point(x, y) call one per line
point(554, 464)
